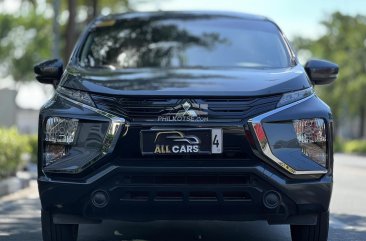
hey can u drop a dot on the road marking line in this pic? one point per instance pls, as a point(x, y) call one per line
point(337, 224)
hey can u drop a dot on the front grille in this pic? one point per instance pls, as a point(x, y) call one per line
point(185, 187)
point(219, 108)
point(196, 196)
point(143, 114)
point(191, 180)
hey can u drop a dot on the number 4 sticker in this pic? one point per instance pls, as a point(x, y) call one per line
point(216, 145)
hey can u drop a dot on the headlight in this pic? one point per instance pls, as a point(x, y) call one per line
point(298, 146)
point(59, 135)
point(76, 95)
point(311, 135)
point(71, 145)
point(295, 96)
point(61, 130)
point(54, 152)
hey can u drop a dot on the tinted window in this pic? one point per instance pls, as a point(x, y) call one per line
point(203, 41)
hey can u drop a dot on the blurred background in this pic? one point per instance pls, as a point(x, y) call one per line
point(35, 30)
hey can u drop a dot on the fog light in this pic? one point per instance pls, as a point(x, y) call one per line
point(61, 130)
point(312, 138)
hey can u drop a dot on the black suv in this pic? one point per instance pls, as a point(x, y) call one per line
point(189, 116)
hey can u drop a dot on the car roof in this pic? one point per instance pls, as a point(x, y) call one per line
point(173, 14)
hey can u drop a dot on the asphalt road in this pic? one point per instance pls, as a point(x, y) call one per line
point(20, 221)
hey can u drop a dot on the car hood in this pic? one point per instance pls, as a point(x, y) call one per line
point(187, 82)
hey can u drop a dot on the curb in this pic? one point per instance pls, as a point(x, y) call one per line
point(14, 184)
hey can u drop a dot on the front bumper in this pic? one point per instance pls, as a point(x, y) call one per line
point(190, 193)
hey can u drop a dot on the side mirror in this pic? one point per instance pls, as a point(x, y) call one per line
point(49, 71)
point(321, 72)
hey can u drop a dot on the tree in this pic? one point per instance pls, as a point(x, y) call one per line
point(92, 9)
point(70, 28)
point(343, 42)
point(26, 37)
point(25, 40)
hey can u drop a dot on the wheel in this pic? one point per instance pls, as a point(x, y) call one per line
point(57, 232)
point(318, 232)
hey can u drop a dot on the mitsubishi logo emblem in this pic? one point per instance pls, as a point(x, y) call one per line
point(186, 105)
point(188, 111)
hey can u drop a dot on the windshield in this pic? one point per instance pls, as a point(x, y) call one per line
point(199, 41)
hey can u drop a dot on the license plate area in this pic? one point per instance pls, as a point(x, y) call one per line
point(204, 141)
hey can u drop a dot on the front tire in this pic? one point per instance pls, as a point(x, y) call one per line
point(318, 232)
point(57, 232)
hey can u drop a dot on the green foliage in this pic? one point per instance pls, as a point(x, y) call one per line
point(33, 148)
point(338, 145)
point(355, 146)
point(343, 43)
point(24, 41)
point(13, 148)
point(26, 38)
